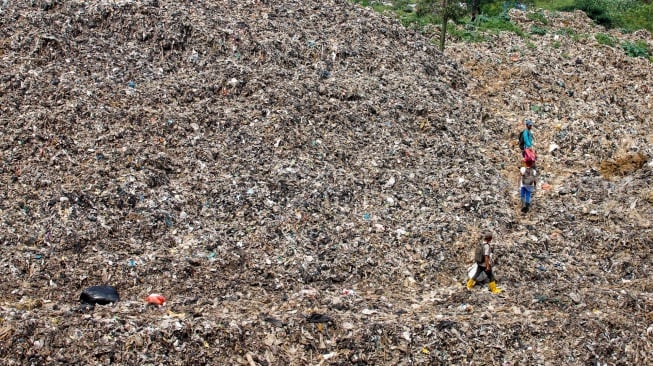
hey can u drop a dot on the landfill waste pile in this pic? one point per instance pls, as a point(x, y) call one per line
point(267, 182)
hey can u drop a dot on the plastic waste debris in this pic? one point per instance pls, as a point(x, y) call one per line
point(319, 318)
point(274, 321)
point(156, 299)
point(100, 295)
point(465, 308)
point(406, 335)
point(472, 270)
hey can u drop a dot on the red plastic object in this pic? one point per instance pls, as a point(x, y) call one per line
point(156, 299)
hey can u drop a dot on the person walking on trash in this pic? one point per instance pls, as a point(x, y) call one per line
point(483, 258)
point(526, 138)
point(527, 184)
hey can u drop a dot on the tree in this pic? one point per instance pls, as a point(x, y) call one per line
point(446, 10)
point(474, 8)
point(445, 20)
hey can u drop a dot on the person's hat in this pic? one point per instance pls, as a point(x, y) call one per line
point(529, 122)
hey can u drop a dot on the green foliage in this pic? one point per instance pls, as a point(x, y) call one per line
point(597, 10)
point(605, 39)
point(570, 32)
point(468, 34)
point(495, 8)
point(402, 5)
point(620, 5)
point(537, 16)
point(555, 45)
point(627, 14)
point(637, 17)
point(530, 45)
point(491, 9)
point(636, 49)
point(455, 9)
point(538, 30)
point(499, 23)
point(414, 20)
point(380, 8)
point(630, 15)
point(578, 36)
point(554, 4)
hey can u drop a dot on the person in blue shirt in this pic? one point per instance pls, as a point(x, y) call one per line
point(527, 136)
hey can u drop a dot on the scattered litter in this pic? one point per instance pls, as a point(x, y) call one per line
point(155, 299)
point(100, 295)
point(348, 292)
point(257, 157)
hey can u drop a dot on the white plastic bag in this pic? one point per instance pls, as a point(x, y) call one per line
point(471, 271)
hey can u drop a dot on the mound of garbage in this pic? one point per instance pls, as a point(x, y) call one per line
point(268, 182)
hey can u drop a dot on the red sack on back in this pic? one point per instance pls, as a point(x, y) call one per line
point(529, 156)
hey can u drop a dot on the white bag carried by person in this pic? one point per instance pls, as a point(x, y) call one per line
point(471, 271)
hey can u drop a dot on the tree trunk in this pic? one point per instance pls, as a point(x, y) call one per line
point(475, 9)
point(445, 20)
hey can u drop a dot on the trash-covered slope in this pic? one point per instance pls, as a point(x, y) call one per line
point(251, 160)
point(585, 249)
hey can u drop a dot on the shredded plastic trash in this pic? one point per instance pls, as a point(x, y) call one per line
point(155, 299)
point(252, 185)
point(101, 295)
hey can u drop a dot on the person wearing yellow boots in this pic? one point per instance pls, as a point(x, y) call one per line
point(483, 258)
